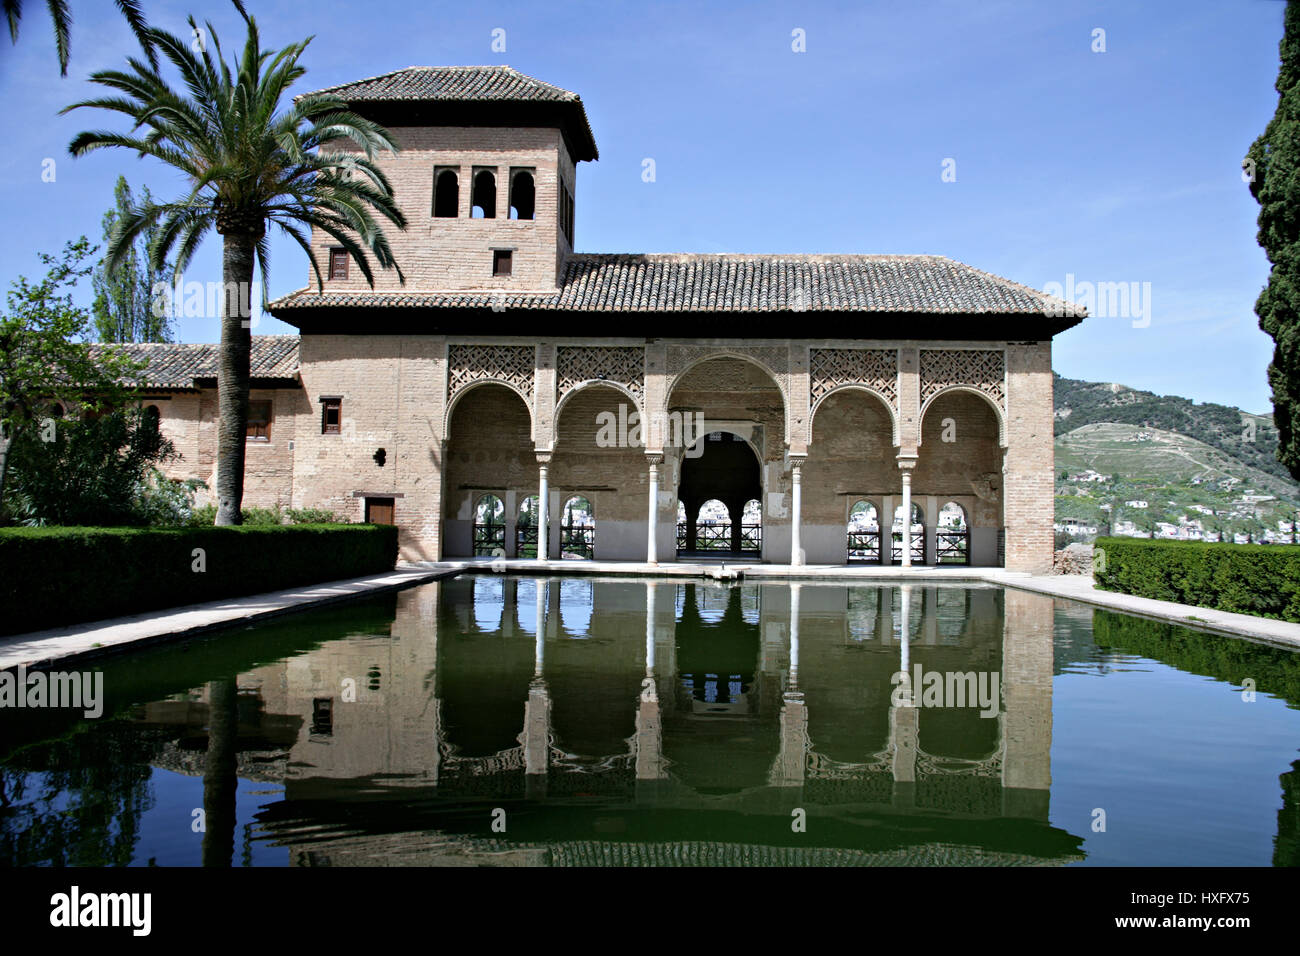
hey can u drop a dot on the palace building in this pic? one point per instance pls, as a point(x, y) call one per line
point(793, 409)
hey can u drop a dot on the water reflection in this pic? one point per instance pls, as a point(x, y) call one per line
point(615, 721)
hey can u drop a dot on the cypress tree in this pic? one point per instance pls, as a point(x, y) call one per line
point(1272, 168)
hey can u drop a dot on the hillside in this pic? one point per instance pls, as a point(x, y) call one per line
point(1209, 464)
point(1247, 438)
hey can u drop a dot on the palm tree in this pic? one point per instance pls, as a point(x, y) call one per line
point(250, 161)
point(62, 17)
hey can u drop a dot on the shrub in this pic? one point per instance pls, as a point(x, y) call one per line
point(1263, 580)
point(55, 576)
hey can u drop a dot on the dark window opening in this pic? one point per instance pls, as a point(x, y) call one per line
point(566, 213)
point(322, 716)
point(259, 421)
point(484, 200)
point(523, 194)
point(338, 263)
point(152, 419)
point(502, 262)
point(331, 415)
point(446, 194)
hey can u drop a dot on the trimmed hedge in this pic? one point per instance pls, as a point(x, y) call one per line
point(1263, 580)
point(55, 576)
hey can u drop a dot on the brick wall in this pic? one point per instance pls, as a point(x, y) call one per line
point(447, 253)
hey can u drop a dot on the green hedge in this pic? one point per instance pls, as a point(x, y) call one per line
point(1263, 580)
point(55, 576)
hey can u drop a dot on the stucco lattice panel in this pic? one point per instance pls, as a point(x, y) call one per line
point(775, 359)
point(619, 365)
point(877, 369)
point(512, 364)
point(982, 369)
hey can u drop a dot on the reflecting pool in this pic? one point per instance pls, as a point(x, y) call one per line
point(505, 720)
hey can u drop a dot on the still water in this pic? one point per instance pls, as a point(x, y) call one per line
point(499, 720)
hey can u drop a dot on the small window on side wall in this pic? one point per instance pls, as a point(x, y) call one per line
point(331, 416)
point(338, 263)
point(259, 421)
point(379, 511)
point(502, 262)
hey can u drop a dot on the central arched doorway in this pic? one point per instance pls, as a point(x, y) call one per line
point(720, 471)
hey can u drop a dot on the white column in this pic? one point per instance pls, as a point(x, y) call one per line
point(796, 502)
point(794, 635)
point(539, 638)
point(543, 518)
point(652, 518)
point(650, 629)
point(907, 519)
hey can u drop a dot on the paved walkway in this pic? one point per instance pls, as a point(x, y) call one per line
point(114, 635)
point(119, 634)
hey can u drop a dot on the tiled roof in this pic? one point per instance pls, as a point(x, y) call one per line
point(488, 89)
point(451, 83)
point(682, 283)
point(179, 364)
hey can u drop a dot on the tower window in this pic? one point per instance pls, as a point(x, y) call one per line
point(523, 194)
point(566, 213)
point(446, 193)
point(338, 263)
point(484, 200)
point(502, 262)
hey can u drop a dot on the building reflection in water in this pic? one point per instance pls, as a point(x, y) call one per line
point(711, 702)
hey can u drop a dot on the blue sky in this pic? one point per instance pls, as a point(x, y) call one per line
point(1122, 166)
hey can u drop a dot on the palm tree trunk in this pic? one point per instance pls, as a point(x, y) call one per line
point(232, 386)
point(220, 780)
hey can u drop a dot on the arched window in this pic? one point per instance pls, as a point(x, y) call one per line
point(578, 529)
point(152, 418)
point(489, 527)
point(523, 194)
point(484, 198)
point(713, 527)
point(446, 193)
point(864, 533)
point(918, 535)
point(577, 601)
point(952, 535)
point(489, 602)
point(751, 526)
point(526, 528)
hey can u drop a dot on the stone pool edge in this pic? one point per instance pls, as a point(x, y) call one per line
point(93, 639)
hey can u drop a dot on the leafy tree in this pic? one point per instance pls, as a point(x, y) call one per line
point(44, 361)
point(124, 298)
point(93, 472)
point(1274, 160)
point(251, 160)
point(61, 15)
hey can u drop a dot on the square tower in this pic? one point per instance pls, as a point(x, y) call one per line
point(485, 173)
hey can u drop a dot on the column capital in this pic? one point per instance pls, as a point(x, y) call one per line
point(906, 462)
point(654, 459)
point(544, 458)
